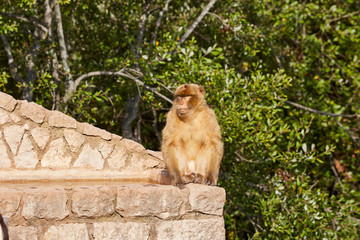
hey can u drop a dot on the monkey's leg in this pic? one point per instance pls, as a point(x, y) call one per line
point(176, 164)
point(202, 166)
point(213, 168)
point(208, 164)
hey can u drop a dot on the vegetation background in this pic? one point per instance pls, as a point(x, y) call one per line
point(282, 76)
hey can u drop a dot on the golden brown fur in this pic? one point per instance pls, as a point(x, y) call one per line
point(191, 145)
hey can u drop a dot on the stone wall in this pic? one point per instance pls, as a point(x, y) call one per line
point(62, 179)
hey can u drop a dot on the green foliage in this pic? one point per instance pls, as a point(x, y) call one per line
point(288, 173)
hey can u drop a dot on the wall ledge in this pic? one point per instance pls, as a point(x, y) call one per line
point(63, 179)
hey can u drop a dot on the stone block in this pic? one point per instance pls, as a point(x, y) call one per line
point(132, 146)
point(206, 199)
point(5, 161)
point(199, 229)
point(23, 233)
point(67, 232)
point(90, 130)
point(156, 154)
point(27, 157)
point(41, 136)
point(119, 230)
point(48, 203)
point(9, 201)
point(117, 159)
point(150, 200)
point(33, 111)
point(4, 117)
point(15, 118)
point(57, 157)
point(7, 102)
point(140, 162)
point(74, 139)
point(116, 138)
point(89, 158)
point(93, 201)
point(13, 135)
point(105, 149)
point(59, 119)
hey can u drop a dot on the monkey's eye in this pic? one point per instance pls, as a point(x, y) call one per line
point(182, 97)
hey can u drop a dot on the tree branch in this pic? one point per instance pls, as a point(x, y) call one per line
point(70, 85)
point(32, 21)
point(329, 114)
point(11, 63)
point(158, 22)
point(30, 58)
point(352, 98)
point(121, 73)
point(53, 62)
point(352, 137)
point(337, 177)
point(197, 21)
point(47, 21)
point(143, 19)
point(321, 112)
point(155, 124)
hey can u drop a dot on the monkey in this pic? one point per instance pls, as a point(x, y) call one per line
point(4, 234)
point(191, 139)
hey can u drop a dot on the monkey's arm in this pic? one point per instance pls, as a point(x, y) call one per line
point(168, 149)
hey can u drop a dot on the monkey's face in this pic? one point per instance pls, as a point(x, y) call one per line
point(187, 98)
point(183, 105)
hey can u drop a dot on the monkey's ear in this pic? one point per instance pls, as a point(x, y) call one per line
point(202, 90)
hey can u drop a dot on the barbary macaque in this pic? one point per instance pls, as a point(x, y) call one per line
point(4, 235)
point(191, 140)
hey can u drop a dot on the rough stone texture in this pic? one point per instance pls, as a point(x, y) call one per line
point(138, 162)
point(59, 119)
point(67, 232)
point(4, 117)
point(154, 200)
point(23, 233)
point(41, 136)
point(105, 149)
point(117, 159)
point(7, 102)
point(204, 229)
point(16, 118)
point(74, 139)
point(96, 197)
point(9, 201)
point(5, 161)
point(132, 146)
point(156, 154)
point(90, 202)
point(90, 130)
point(206, 199)
point(57, 156)
point(13, 135)
point(48, 203)
point(33, 111)
point(89, 158)
point(116, 230)
point(115, 137)
point(27, 157)
point(149, 163)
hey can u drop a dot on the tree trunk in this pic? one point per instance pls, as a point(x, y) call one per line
point(131, 113)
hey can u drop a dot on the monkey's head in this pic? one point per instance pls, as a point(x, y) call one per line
point(188, 98)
